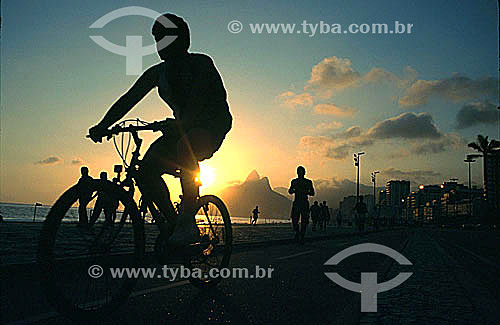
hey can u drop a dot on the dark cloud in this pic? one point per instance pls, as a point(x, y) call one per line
point(450, 141)
point(407, 126)
point(456, 88)
point(76, 161)
point(49, 161)
point(477, 114)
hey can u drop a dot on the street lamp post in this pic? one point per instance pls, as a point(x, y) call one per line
point(357, 159)
point(374, 181)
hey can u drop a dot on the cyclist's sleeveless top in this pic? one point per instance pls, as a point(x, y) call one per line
point(196, 78)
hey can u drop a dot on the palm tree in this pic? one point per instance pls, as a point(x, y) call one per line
point(486, 148)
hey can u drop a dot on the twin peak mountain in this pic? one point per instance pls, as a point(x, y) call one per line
point(242, 198)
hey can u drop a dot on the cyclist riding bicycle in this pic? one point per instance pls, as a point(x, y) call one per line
point(192, 87)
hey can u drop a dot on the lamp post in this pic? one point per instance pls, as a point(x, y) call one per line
point(357, 159)
point(374, 181)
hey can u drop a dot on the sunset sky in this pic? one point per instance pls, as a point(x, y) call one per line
point(410, 101)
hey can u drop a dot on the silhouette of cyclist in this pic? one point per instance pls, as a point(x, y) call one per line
point(302, 188)
point(192, 87)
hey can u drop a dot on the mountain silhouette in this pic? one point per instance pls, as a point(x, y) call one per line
point(242, 198)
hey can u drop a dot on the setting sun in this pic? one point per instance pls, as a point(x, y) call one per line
point(207, 175)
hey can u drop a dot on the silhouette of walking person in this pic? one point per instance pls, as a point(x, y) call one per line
point(302, 188)
point(255, 214)
point(192, 87)
point(361, 211)
point(339, 218)
point(106, 203)
point(325, 215)
point(315, 213)
point(85, 195)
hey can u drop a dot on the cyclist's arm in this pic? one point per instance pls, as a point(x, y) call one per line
point(147, 81)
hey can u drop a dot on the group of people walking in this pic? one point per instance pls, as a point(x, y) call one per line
point(103, 202)
point(320, 216)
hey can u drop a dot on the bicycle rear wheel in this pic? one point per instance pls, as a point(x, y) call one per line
point(75, 261)
point(214, 223)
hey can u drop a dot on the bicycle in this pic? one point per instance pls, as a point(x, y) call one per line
point(92, 247)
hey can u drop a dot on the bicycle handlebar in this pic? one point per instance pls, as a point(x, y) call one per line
point(117, 129)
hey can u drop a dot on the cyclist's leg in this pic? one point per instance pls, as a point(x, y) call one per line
point(158, 160)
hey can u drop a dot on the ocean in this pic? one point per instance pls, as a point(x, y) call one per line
point(20, 212)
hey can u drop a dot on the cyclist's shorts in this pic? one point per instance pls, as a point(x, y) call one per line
point(178, 151)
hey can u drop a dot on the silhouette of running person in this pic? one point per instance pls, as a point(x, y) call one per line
point(192, 87)
point(315, 212)
point(302, 188)
point(255, 214)
point(85, 196)
point(106, 203)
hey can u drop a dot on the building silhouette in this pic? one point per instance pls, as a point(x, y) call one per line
point(492, 180)
point(448, 203)
point(396, 193)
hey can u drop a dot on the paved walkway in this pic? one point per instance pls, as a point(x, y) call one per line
point(19, 241)
point(440, 291)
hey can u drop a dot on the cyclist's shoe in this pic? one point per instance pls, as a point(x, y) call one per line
point(185, 233)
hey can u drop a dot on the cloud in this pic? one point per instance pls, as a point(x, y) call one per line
point(334, 74)
point(456, 88)
point(49, 161)
point(332, 109)
point(417, 129)
point(292, 100)
point(327, 126)
point(76, 161)
point(476, 114)
point(445, 143)
point(418, 176)
point(379, 74)
point(407, 126)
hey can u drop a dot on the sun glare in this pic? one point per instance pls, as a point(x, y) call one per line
point(207, 175)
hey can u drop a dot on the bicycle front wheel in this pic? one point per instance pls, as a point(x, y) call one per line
point(76, 259)
point(214, 223)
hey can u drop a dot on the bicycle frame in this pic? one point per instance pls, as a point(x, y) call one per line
point(131, 171)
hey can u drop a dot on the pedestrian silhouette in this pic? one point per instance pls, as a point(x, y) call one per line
point(255, 214)
point(339, 218)
point(85, 195)
point(315, 214)
point(104, 203)
point(302, 188)
point(192, 87)
point(325, 215)
point(360, 210)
